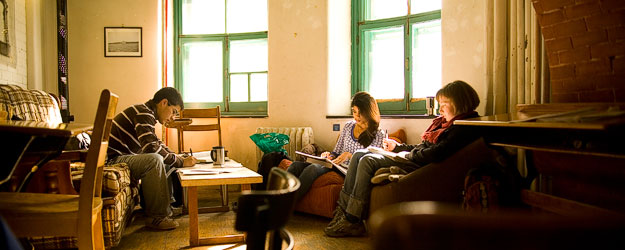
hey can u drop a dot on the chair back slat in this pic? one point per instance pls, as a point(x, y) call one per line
point(200, 113)
point(209, 127)
point(91, 184)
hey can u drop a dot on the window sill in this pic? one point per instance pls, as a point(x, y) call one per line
point(387, 116)
point(244, 115)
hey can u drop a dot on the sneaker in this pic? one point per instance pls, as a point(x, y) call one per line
point(344, 228)
point(162, 223)
point(339, 214)
point(176, 211)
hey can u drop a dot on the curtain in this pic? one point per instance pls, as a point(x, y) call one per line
point(518, 70)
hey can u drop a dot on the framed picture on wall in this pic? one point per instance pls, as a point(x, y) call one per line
point(123, 42)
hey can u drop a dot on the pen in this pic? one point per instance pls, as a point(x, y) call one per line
point(191, 151)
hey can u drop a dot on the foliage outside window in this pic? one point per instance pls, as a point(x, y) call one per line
point(396, 52)
point(221, 54)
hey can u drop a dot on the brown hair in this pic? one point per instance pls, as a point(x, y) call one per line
point(369, 110)
point(462, 95)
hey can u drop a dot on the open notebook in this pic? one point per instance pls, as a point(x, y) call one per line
point(324, 162)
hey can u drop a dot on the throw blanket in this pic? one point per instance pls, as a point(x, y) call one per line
point(439, 125)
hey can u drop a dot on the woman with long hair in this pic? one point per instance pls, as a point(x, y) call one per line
point(357, 134)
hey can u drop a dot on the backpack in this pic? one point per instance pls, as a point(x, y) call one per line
point(268, 161)
point(489, 187)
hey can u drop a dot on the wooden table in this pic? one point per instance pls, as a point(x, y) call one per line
point(35, 140)
point(231, 173)
point(571, 161)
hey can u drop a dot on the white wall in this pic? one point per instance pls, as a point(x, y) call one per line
point(133, 79)
point(301, 44)
point(464, 45)
point(16, 73)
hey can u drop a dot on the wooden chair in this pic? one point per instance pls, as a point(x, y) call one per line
point(185, 124)
point(198, 113)
point(39, 214)
point(265, 211)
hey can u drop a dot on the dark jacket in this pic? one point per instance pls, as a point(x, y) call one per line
point(450, 141)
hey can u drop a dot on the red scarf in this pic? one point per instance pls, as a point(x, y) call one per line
point(439, 125)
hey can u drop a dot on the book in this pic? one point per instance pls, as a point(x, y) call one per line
point(391, 155)
point(324, 162)
point(203, 156)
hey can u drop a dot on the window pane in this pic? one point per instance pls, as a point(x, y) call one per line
point(238, 87)
point(258, 84)
point(202, 70)
point(426, 62)
point(420, 6)
point(384, 62)
point(380, 9)
point(248, 55)
point(203, 17)
point(246, 16)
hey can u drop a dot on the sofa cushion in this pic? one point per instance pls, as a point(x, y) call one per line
point(32, 105)
point(114, 177)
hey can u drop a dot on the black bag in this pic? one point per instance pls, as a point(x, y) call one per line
point(268, 161)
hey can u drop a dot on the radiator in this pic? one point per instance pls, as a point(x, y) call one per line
point(298, 138)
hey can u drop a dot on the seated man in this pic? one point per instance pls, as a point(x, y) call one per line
point(134, 142)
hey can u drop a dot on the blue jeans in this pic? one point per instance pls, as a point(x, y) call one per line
point(354, 196)
point(307, 173)
point(157, 189)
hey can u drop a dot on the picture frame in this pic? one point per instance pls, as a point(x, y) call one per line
point(123, 41)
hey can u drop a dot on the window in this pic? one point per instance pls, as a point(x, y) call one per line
point(396, 52)
point(221, 54)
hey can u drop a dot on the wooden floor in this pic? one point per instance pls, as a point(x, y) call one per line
point(306, 229)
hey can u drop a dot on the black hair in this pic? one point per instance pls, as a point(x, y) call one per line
point(369, 110)
point(171, 94)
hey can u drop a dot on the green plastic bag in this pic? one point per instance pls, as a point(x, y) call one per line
point(270, 142)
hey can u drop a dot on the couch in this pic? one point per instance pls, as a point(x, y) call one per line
point(471, 156)
point(119, 195)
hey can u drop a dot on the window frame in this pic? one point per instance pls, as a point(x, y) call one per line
point(228, 108)
point(408, 105)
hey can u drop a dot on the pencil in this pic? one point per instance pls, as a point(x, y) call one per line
point(191, 151)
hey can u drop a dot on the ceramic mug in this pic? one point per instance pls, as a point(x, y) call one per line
point(218, 155)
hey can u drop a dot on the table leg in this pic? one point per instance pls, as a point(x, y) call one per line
point(224, 195)
point(193, 216)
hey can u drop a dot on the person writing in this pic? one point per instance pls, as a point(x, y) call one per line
point(457, 100)
point(134, 142)
point(357, 134)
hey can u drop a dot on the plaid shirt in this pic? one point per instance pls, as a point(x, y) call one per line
point(132, 132)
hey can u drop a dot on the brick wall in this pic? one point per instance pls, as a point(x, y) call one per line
point(16, 72)
point(585, 43)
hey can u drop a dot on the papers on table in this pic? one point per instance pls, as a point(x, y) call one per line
point(204, 171)
point(207, 169)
